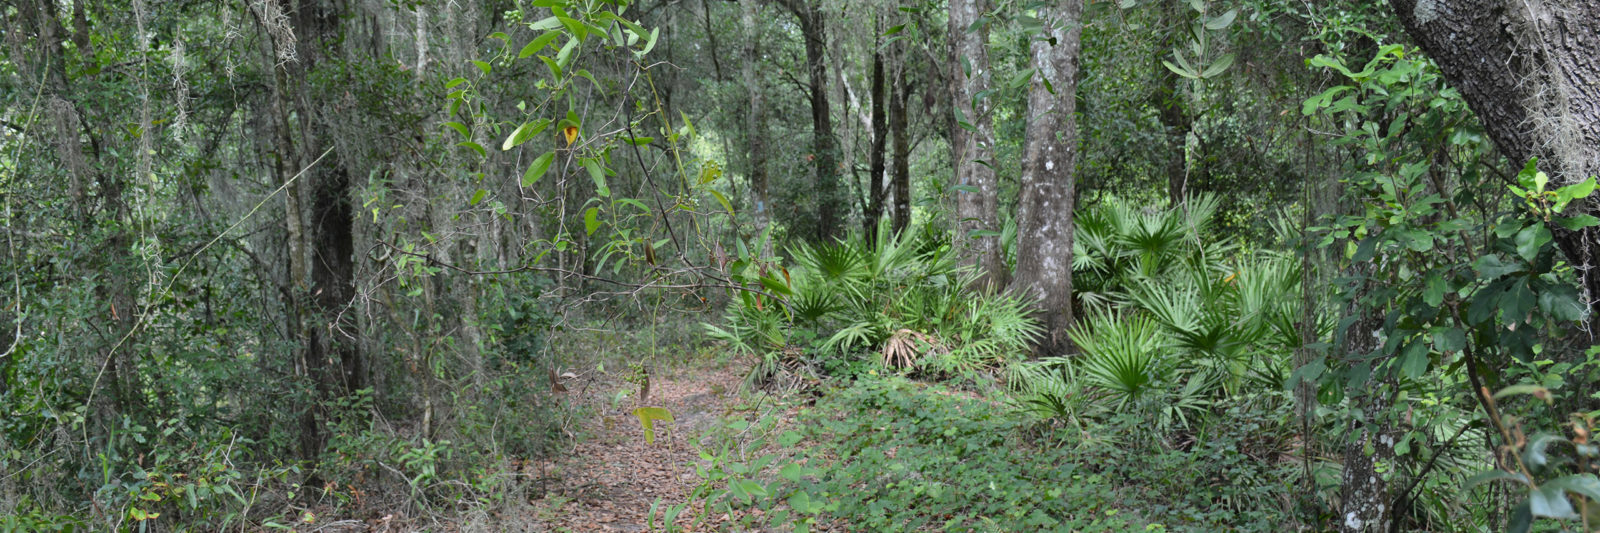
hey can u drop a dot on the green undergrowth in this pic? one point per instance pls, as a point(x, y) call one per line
point(889, 454)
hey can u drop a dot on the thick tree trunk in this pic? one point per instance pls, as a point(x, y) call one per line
point(976, 191)
point(1531, 73)
point(755, 120)
point(814, 31)
point(1044, 230)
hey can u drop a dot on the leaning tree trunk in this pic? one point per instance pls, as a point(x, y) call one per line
point(1531, 73)
point(1044, 225)
point(976, 190)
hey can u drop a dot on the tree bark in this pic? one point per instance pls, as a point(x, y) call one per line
point(898, 124)
point(813, 30)
point(876, 190)
point(1530, 72)
point(755, 121)
point(1044, 230)
point(976, 190)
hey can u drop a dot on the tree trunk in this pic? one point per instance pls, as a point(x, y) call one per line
point(1530, 73)
point(1168, 100)
point(1044, 230)
point(898, 124)
point(876, 191)
point(755, 121)
point(813, 30)
point(976, 190)
point(1364, 500)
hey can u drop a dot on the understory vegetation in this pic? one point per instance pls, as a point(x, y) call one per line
point(888, 265)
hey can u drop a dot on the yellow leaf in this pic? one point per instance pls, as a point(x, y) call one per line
point(571, 132)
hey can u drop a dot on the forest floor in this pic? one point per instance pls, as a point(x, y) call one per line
point(610, 477)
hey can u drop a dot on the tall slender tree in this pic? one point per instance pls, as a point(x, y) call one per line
point(813, 30)
point(755, 117)
point(976, 190)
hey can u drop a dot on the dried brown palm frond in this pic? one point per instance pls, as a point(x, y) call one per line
point(906, 348)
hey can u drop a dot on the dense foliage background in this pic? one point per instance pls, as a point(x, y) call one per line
point(1001, 265)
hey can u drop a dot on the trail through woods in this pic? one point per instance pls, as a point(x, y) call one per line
point(610, 478)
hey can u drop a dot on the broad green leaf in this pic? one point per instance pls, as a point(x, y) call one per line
point(1586, 485)
point(453, 83)
point(1560, 301)
point(648, 416)
point(1414, 360)
point(591, 220)
point(1180, 71)
point(1449, 340)
point(1433, 290)
point(1490, 267)
point(791, 472)
point(1577, 222)
point(1222, 21)
point(1022, 78)
point(776, 285)
point(1517, 301)
point(1550, 502)
point(538, 168)
point(800, 501)
point(789, 438)
point(564, 57)
point(477, 197)
point(524, 132)
point(483, 66)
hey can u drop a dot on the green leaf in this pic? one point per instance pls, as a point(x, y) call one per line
point(598, 175)
point(477, 197)
point(483, 66)
point(1449, 340)
point(776, 285)
point(1490, 475)
point(800, 501)
point(1218, 66)
point(1530, 240)
point(1490, 267)
point(1515, 304)
point(722, 200)
point(1578, 222)
point(537, 44)
point(1550, 502)
point(546, 23)
point(1516, 390)
point(1222, 21)
point(591, 220)
point(1434, 289)
point(1180, 71)
point(648, 416)
point(789, 438)
point(1586, 485)
point(475, 147)
point(791, 472)
point(1022, 78)
point(564, 57)
point(460, 128)
point(524, 132)
point(1561, 303)
point(538, 168)
point(453, 83)
point(1414, 362)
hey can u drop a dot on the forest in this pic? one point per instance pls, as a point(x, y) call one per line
point(799, 265)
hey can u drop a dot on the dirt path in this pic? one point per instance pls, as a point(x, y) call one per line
point(609, 480)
